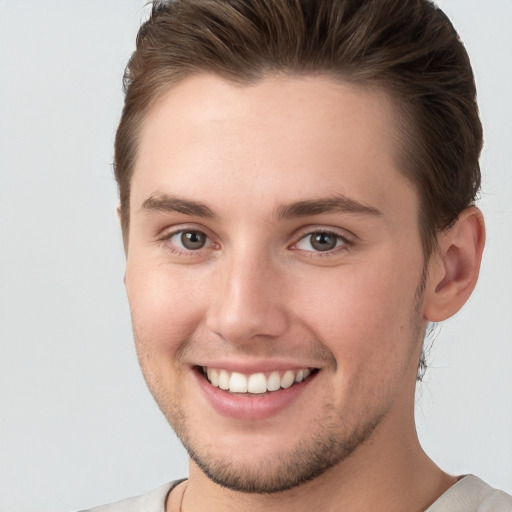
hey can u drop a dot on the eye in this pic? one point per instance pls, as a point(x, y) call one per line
point(189, 240)
point(320, 241)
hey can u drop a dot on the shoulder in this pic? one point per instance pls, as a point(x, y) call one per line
point(470, 494)
point(152, 501)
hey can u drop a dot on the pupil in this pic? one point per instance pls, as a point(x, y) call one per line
point(323, 241)
point(193, 240)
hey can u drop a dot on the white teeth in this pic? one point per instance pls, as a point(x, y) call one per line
point(287, 379)
point(256, 383)
point(274, 382)
point(223, 380)
point(238, 383)
point(213, 377)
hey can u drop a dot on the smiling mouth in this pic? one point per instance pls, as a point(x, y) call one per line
point(255, 383)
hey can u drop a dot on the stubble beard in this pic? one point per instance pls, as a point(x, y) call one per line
point(309, 458)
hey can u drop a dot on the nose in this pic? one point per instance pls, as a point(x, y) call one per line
point(249, 299)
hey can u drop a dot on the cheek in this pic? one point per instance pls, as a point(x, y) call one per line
point(166, 308)
point(369, 324)
point(364, 316)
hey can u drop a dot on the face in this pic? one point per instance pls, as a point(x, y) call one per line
point(273, 273)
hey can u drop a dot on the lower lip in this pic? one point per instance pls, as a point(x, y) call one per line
point(251, 407)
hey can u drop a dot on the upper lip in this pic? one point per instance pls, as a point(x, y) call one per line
point(250, 367)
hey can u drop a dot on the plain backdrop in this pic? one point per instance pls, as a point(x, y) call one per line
point(77, 425)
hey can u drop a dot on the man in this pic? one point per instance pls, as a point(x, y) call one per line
point(297, 184)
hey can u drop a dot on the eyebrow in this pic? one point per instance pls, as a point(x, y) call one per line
point(336, 204)
point(167, 203)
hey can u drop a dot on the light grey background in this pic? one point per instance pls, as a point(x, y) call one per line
point(77, 426)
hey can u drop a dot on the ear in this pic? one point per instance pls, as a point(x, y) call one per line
point(454, 270)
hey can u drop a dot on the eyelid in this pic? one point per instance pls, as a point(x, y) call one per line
point(346, 237)
point(167, 234)
point(345, 234)
point(169, 231)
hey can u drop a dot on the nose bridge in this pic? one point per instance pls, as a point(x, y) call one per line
point(248, 301)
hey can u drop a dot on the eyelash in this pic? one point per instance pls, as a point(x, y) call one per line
point(174, 248)
point(345, 243)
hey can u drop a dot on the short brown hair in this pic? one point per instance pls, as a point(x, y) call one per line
point(407, 48)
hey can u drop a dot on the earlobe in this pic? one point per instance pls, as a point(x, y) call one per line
point(454, 269)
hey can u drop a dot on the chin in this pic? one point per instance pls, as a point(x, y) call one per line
point(255, 471)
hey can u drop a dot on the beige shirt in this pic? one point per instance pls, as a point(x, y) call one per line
point(469, 494)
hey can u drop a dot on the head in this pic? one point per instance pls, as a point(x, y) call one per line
point(382, 86)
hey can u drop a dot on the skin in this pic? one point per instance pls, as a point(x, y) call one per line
point(258, 292)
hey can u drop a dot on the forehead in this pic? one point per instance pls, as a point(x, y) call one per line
point(284, 135)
